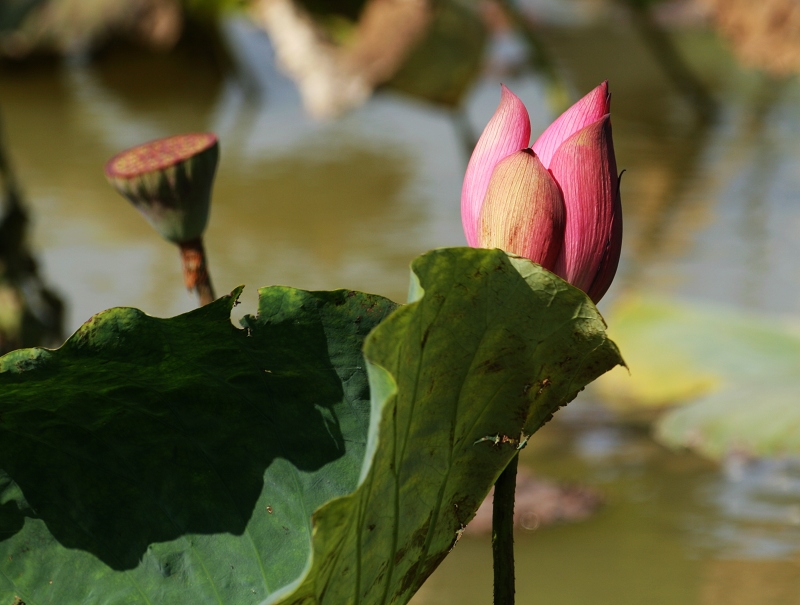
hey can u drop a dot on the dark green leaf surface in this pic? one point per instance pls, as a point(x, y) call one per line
point(180, 461)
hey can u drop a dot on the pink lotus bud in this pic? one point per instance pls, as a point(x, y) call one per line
point(508, 131)
point(516, 210)
point(585, 167)
point(523, 211)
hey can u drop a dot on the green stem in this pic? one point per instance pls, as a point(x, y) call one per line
point(503, 534)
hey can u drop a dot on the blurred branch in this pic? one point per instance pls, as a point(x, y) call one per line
point(442, 67)
point(663, 50)
point(467, 139)
point(14, 12)
point(70, 27)
point(30, 313)
point(333, 78)
point(13, 220)
point(539, 57)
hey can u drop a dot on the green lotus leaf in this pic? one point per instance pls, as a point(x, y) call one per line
point(187, 461)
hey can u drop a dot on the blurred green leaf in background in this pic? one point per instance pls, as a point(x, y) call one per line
point(728, 380)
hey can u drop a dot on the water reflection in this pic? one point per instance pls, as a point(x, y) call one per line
point(758, 502)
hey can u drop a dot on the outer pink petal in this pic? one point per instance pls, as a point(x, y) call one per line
point(523, 211)
point(608, 266)
point(589, 109)
point(586, 169)
point(508, 131)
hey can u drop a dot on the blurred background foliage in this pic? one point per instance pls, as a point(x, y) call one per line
point(345, 128)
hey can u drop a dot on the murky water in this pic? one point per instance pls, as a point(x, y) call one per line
point(711, 213)
point(675, 529)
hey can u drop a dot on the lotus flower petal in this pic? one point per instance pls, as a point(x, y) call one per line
point(588, 110)
point(508, 131)
point(586, 170)
point(523, 212)
point(610, 262)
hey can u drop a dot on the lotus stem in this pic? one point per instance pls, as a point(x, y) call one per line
point(503, 534)
point(195, 270)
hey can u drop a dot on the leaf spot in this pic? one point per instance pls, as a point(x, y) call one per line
point(495, 439)
point(543, 385)
point(498, 440)
point(459, 533)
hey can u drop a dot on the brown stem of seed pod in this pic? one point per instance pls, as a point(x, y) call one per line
point(195, 270)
